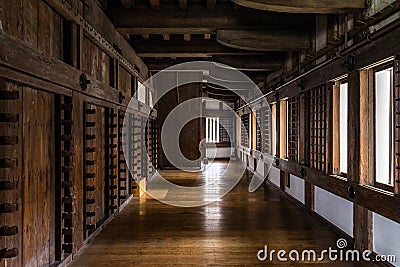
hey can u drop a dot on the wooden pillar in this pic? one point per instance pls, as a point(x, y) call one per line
point(277, 128)
point(309, 196)
point(330, 129)
point(283, 178)
point(336, 128)
point(396, 105)
point(353, 137)
point(282, 129)
point(358, 154)
point(78, 215)
point(303, 129)
point(362, 228)
point(304, 147)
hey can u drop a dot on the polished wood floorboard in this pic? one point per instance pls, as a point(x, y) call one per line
point(225, 233)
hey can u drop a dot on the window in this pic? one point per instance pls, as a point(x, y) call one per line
point(383, 91)
point(142, 91)
point(293, 110)
point(267, 131)
point(339, 113)
point(226, 130)
point(212, 130)
point(258, 129)
point(318, 128)
point(245, 130)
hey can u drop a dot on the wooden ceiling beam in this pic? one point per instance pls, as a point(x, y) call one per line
point(177, 47)
point(243, 63)
point(197, 20)
point(305, 6)
point(257, 40)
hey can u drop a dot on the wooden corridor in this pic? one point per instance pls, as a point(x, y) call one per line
point(225, 233)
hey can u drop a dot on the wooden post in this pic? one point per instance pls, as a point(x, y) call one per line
point(330, 129)
point(362, 228)
point(309, 196)
point(304, 147)
point(283, 130)
point(283, 177)
point(353, 137)
point(336, 128)
point(396, 105)
point(277, 128)
point(358, 155)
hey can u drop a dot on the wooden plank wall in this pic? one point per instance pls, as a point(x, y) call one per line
point(47, 199)
point(38, 168)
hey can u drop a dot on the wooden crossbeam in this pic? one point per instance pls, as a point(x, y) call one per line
point(197, 20)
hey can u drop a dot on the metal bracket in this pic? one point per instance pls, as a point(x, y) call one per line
point(350, 62)
point(121, 97)
point(83, 81)
point(351, 192)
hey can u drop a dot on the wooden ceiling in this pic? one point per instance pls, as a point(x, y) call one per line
point(252, 35)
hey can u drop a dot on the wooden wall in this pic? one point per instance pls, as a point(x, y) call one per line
point(59, 141)
point(189, 137)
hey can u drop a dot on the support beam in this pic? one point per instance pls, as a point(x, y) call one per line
point(264, 40)
point(182, 4)
point(177, 47)
point(155, 5)
point(305, 6)
point(197, 20)
point(197, 47)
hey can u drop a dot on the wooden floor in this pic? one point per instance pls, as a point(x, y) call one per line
point(225, 233)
